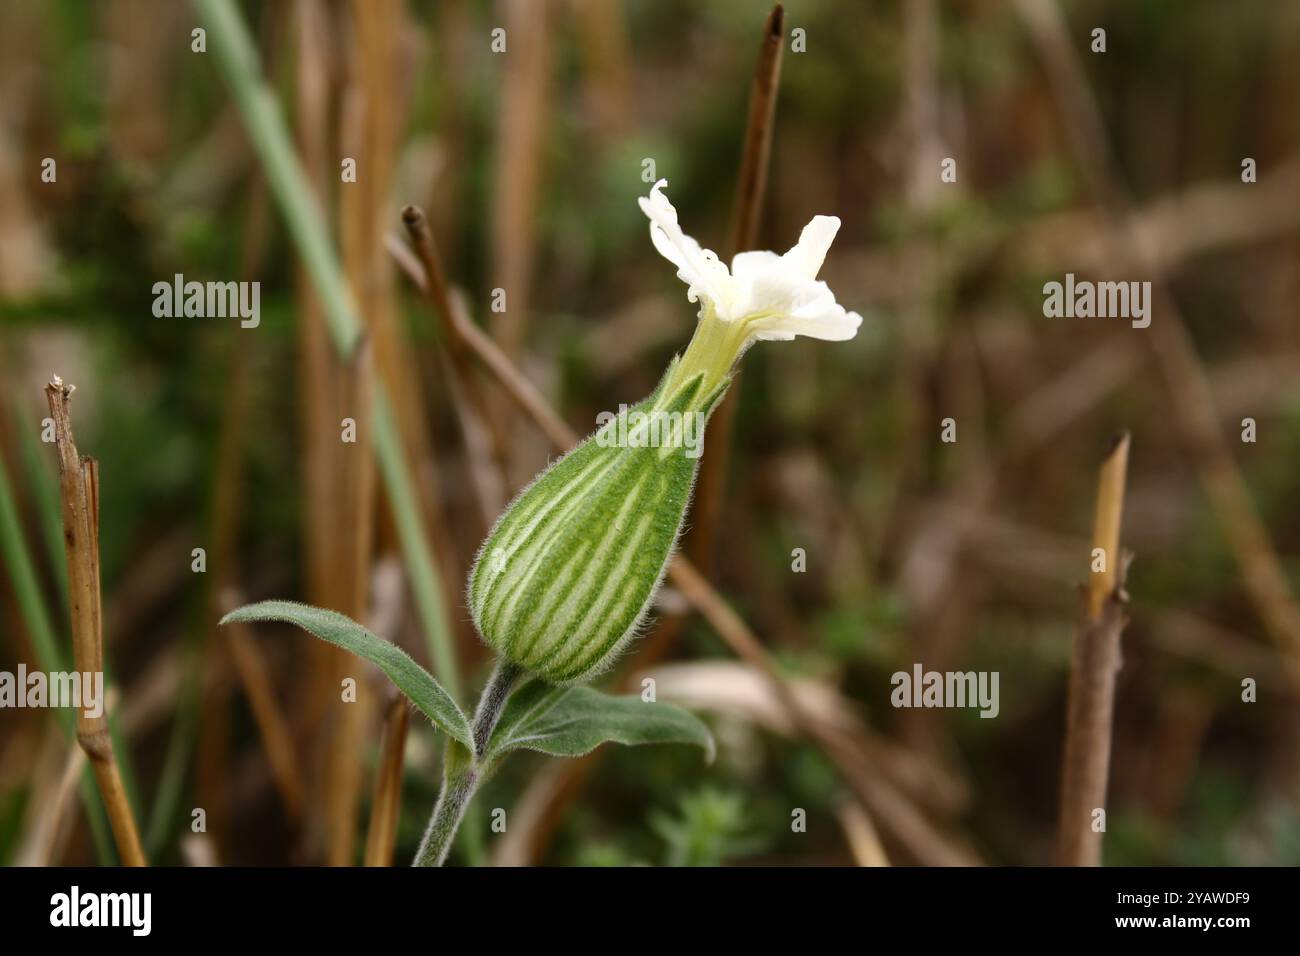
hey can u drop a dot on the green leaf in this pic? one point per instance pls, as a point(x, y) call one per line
point(528, 703)
point(411, 679)
point(572, 721)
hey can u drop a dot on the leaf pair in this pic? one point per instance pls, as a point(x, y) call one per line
point(560, 721)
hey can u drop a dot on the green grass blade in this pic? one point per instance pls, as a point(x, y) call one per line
point(237, 60)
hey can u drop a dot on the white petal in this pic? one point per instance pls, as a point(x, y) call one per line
point(808, 308)
point(808, 254)
point(774, 288)
point(748, 266)
point(835, 325)
point(699, 268)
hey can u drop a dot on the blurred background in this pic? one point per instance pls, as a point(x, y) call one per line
point(1125, 164)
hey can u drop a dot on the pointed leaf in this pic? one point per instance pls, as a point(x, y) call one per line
point(411, 679)
point(572, 721)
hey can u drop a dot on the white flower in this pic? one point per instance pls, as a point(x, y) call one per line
point(772, 296)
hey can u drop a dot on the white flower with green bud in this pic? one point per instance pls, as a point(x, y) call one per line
point(570, 569)
point(568, 574)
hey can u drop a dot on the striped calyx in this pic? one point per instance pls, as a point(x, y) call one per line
point(569, 571)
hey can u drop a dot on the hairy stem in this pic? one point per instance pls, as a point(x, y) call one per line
point(463, 771)
point(459, 781)
point(504, 679)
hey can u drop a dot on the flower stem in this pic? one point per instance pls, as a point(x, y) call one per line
point(459, 782)
point(463, 771)
point(504, 679)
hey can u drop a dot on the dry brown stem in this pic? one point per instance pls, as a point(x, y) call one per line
point(388, 785)
point(1096, 661)
point(79, 490)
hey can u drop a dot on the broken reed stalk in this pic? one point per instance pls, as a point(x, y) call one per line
point(387, 802)
point(79, 488)
point(1095, 663)
point(1106, 526)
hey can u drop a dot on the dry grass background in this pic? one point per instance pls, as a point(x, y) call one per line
point(525, 166)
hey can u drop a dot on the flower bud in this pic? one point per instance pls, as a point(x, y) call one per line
point(568, 573)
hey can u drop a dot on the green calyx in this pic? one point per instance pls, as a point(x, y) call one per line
point(569, 572)
point(713, 352)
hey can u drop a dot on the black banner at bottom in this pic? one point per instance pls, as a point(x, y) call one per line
point(307, 906)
